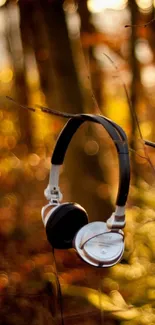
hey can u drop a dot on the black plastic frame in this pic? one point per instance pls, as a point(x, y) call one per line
point(119, 138)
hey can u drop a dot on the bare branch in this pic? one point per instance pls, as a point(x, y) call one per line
point(21, 105)
point(54, 112)
point(141, 25)
point(149, 143)
point(43, 109)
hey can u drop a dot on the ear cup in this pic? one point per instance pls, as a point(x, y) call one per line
point(99, 246)
point(63, 223)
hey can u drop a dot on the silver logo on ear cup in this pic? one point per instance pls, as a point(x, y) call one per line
point(103, 247)
point(99, 246)
point(103, 250)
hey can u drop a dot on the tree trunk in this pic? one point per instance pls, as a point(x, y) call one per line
point(40, 44)
point(134, 90)
point(18, 58)
point(93, 66)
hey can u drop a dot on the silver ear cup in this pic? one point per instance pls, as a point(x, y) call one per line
point(99, 246)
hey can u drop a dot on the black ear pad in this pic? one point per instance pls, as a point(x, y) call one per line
point(64, 223)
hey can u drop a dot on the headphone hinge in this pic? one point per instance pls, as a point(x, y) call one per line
point(116, 221)
point(53, 194)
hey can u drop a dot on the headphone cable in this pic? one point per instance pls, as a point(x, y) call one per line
point(59, 290)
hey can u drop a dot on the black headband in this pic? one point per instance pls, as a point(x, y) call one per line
point(117, 135)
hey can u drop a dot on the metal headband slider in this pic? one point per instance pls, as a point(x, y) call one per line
point(116, 221)
point(53, 194)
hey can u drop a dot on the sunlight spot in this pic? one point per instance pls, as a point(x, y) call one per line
point(91, 148)
point(97, 6)
point(143, 52)
point(144, 5)
point(2, 2)
point(47, 163)
point(7, 126)
point(146, 128)
point(151, 294)
point(38, 97)
point(34, 159)
point(40, 174)
point(6, 75)
point(10, 142)
point(15, 277)
point(148, 76)
point(3, 280)
point(151, 281)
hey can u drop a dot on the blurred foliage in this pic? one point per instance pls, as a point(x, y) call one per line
point(52, 54)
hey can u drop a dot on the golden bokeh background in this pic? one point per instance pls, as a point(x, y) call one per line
point(95, 56)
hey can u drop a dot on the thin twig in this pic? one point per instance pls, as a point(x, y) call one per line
point(132, 150)
point(149, 143)
point(42, 108)
point(21, 105)
point(54, 112)
point(141, 25)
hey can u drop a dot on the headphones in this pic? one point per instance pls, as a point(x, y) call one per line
point(98, 243)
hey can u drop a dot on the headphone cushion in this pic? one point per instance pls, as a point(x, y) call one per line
point(63, 224)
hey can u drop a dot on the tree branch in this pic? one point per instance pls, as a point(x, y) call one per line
point(141, 25)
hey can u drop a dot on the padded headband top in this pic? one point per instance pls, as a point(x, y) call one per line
point(117, 135)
